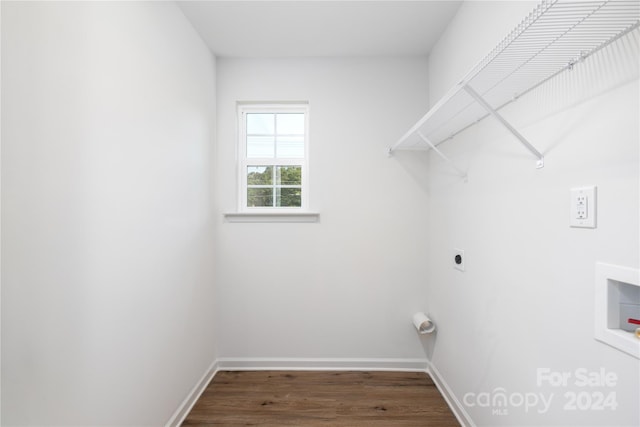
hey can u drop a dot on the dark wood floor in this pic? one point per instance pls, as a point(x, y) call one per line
point(302, 398)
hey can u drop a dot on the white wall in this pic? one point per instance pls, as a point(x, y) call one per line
point(107, 246)
point(526, 299)
point(465, 43)
point(345, 287)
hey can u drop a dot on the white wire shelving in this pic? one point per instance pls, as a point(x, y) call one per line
point(555, 36)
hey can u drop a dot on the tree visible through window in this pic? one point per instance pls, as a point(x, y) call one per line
point(269, 186)
point(273, 144)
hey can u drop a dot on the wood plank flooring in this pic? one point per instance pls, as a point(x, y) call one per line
point(303, 398)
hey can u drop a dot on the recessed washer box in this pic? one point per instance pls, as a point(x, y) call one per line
point(617, 298)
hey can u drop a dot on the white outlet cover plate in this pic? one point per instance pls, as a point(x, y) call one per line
point(580, 220)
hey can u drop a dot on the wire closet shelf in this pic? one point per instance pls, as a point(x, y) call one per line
point(555, 36)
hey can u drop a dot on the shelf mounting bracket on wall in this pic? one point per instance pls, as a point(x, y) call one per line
point(475, 95)
point(461, 173)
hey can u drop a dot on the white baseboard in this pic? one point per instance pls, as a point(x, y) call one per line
point(456, 407)
point(320, 364)
point(187, 404)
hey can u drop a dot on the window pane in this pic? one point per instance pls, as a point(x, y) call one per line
point(259, 175)
point(260, 124)
point(288, 175)
point(290, 124)
point(259, 197)
point(289, 197)
point(290, 147)
point(260, 146)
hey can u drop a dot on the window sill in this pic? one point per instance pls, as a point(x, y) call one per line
point(273, 217)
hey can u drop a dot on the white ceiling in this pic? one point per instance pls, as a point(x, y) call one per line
point(237, 28)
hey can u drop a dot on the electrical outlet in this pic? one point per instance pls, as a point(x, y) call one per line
point(458, 259)
point(583, 207)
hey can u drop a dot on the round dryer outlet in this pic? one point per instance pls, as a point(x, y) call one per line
point(458, 259)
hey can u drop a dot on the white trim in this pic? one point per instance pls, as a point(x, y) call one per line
point(320, 364)
point(608, 296)
point(454, 404)
point(187, 404)
point(272, 217)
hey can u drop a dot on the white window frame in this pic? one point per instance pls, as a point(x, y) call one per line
point(244, 162)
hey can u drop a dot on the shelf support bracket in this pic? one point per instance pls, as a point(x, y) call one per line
point(480, 100)
point(462, 173)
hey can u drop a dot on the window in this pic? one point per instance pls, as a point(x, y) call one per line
point(273, 157)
